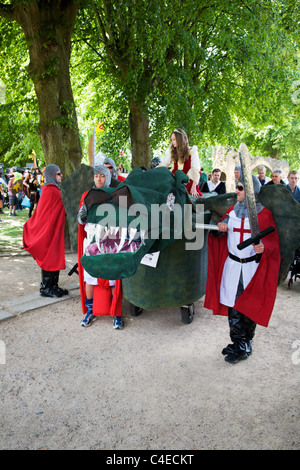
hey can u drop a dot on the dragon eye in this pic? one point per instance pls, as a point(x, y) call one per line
point(122, 197)
point(95, 196)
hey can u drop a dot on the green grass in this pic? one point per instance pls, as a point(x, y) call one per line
point(11, 231)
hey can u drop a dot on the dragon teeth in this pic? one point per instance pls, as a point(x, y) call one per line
point(143, 234)
point(90, 231)
point(101, 233)
point(113, 231)
point(123, 231)
point(99, 230)
point(132, 233)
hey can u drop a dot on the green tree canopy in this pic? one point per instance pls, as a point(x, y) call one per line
point(223, 70)
point(19, 108)
point(47, 28)
point(202, 65)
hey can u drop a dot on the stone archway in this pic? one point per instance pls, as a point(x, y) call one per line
point(272, 164)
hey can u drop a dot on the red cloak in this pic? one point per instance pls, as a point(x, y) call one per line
point(103, 304)
point(43, 233)
point(257, 300)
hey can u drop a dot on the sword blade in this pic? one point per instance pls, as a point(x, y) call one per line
point(206, 227)
point(249, 189)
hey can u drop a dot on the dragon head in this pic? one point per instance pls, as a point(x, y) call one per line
point(137, 217)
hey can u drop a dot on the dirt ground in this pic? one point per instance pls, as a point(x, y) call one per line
point(157, 384)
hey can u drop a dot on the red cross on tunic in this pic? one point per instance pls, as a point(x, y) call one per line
point(242, 230)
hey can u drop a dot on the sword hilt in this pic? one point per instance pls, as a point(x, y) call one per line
point(256, 239)
point(73, 270)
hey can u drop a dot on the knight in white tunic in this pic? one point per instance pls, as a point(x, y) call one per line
point(239, 268)
point(242, 284)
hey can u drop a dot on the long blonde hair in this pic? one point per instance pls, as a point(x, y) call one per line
point(182, 152)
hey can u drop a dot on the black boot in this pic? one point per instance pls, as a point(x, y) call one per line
point(239, 350)
point(228, 350)
point(47, 284)
point(58, 290)
point(249, 326)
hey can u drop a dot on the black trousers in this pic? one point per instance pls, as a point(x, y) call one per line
point(241, 328)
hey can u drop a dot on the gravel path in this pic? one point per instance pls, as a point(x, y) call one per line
point(157, 384)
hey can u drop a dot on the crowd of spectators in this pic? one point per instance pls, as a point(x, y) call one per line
point(215, 184)
point(19, 188)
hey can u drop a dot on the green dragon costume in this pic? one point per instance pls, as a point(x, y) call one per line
point(125, 228)
point(124, 231)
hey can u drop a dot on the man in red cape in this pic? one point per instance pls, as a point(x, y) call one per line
point(237, 285)
point(43, 234)
point(98, 296)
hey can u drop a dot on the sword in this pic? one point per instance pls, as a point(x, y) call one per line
point(73, 268)
point(256, 235)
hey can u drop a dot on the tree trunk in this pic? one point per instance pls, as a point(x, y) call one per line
point(139, 135)
point(48, 28)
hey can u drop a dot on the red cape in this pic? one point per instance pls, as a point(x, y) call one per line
point(257, 300)
point(43, 233)
point(103, 304)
